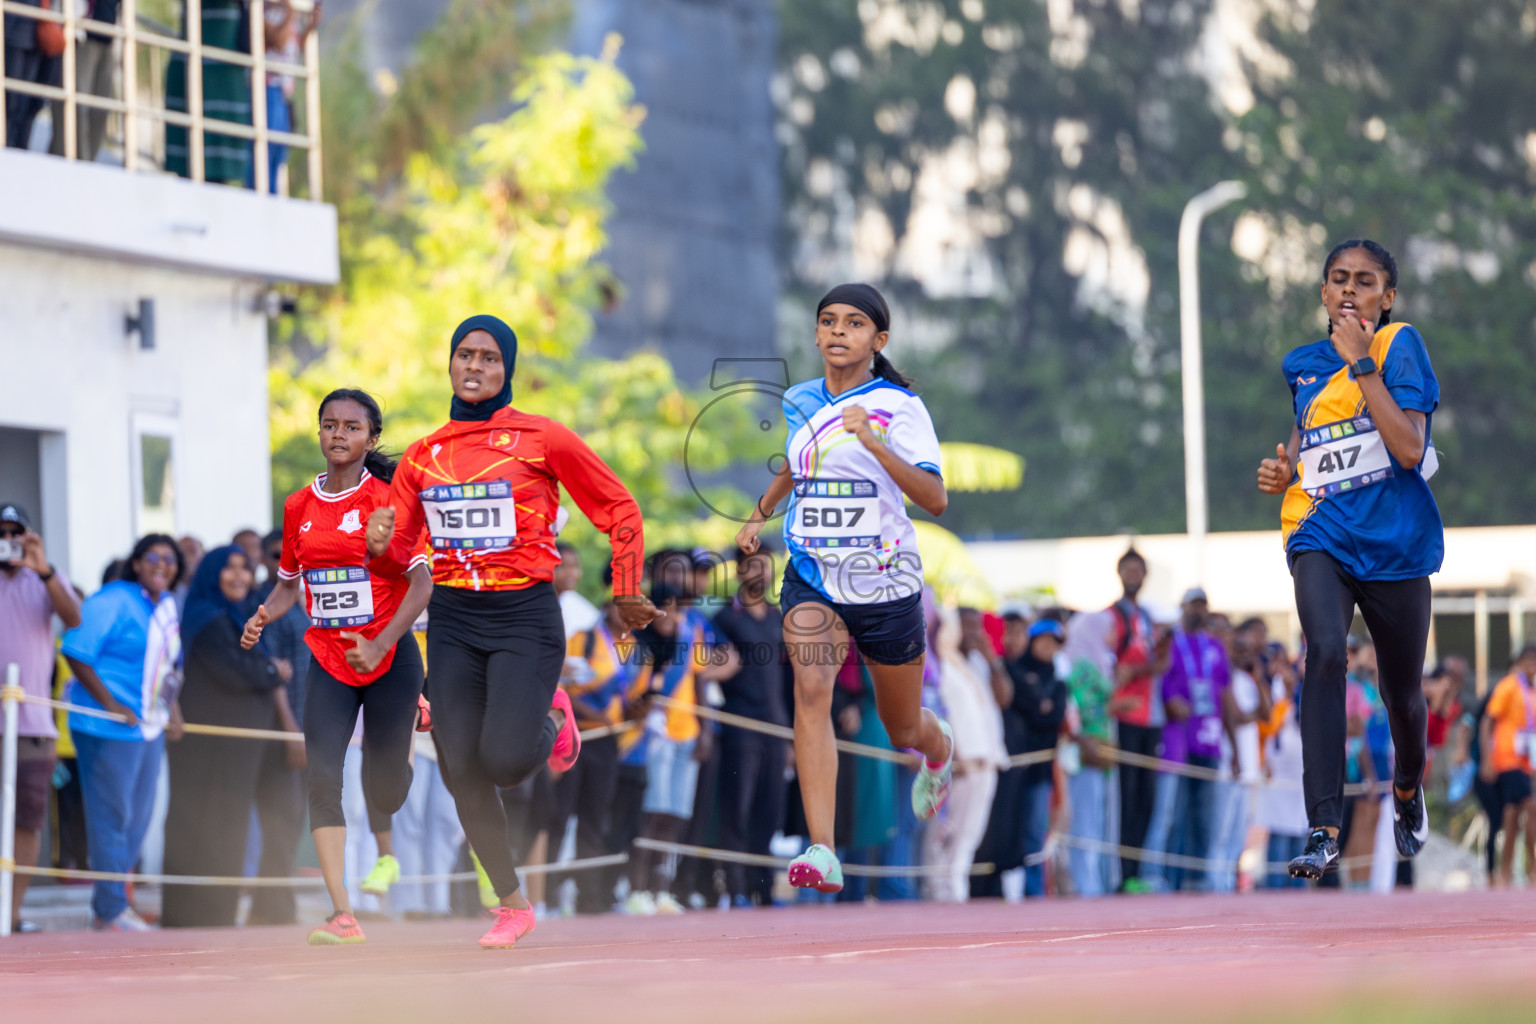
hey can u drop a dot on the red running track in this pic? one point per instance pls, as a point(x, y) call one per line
point(1257, 957)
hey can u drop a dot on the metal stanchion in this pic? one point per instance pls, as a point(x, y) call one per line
point(10, 704)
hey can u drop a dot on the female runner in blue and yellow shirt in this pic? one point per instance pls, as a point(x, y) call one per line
point(1361, 529)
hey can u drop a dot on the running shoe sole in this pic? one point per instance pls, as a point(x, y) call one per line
point(321, 937)
point(806, 876)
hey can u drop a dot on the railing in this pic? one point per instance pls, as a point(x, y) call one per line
point(136, 33)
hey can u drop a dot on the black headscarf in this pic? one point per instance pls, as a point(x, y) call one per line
point(507, 342)
point(862, 297)
point(205, 598)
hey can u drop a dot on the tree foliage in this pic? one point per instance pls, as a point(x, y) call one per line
point(508, 218)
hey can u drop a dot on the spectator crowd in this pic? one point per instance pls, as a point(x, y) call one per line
point(1096, 752)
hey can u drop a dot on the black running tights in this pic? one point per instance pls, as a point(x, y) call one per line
point(388, 705)
point(495, 660)
point(1397, 614)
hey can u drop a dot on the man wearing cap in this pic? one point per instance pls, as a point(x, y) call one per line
point(32, 592)
point(1192, 689)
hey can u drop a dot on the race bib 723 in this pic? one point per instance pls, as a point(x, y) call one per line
point(340, 598)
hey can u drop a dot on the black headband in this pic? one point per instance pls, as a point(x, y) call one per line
point(862, 297)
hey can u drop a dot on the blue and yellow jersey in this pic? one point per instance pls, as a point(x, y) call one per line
point(599, 699)
point(1351, 498)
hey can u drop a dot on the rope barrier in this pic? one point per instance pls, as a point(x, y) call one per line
point(754, 725)
point(298, 882)
point(782, 863)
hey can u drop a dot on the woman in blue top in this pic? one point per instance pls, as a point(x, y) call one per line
point(1361, 529)
point(860, 443)
point(126, 658)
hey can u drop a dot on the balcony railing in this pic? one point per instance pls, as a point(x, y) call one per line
point(136, 35)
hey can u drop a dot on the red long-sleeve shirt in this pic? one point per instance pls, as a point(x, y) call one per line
point(486, 492)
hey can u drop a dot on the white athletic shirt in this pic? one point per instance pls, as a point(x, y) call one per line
point(847, 528)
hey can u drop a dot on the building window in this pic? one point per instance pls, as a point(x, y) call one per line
point(154, 458)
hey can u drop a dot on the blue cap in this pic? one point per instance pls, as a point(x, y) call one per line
point(1047, 627)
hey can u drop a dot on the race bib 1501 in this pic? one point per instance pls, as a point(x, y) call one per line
point(836, 514)
point(340, 598)
point(1343, 456)
point(479, 517)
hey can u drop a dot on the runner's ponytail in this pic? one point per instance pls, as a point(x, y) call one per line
point(881, 367)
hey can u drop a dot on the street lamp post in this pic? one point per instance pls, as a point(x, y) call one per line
point(1195, 499)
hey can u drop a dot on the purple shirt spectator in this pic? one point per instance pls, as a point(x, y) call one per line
point(1198, 672)
point(26, 638)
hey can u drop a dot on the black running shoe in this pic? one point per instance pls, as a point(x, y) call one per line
point(1320, 856)
point(1410, 825)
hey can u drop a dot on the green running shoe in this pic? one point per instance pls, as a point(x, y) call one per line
point(816, 868)
point(385, 873)
point(931, 787)
point(488, 898)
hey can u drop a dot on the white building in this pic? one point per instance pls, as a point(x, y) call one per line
point(102, 437)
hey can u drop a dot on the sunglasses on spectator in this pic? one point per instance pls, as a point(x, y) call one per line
point(156, 558)
point(275, 554)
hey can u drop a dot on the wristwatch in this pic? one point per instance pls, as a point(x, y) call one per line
point(52, 572)
point(1362, 367)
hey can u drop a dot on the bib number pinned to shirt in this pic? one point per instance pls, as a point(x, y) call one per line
point(836, 514)
point(1343, 456)
point(340, 598)
point(479, 517)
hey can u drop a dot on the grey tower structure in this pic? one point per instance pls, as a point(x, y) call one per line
point(694, 229)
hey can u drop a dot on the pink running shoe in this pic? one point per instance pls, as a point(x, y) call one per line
point(568, 743)
point(511, 925)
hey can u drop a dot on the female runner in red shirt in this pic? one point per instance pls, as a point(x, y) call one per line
point(364, 655)
point(485, 488)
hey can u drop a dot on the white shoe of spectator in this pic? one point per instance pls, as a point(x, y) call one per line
point(640, 904)
point(127, 921)
point(666, 903)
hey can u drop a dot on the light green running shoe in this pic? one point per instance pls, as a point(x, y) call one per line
point(816, 868)
point(931, 788)
point(488, 898)
point(385, 873)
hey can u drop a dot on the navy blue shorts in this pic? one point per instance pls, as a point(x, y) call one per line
point(887, 633)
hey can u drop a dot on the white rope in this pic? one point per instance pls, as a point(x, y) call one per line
point(767, 729)
point(782, 863)
point(300, 882)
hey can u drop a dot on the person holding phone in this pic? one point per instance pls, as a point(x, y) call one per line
point(32, 592)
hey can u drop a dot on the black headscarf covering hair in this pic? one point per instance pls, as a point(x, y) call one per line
point(862, 297)
point(205, 598)
point(507, 342)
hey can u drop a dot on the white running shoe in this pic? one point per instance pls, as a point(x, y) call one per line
point(127, 921)
point(640, 904)
point(666, 903)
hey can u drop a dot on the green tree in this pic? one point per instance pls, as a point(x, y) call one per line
point(508, 217)
point(1013, 171)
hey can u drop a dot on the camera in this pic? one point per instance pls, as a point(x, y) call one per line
point(11, 549)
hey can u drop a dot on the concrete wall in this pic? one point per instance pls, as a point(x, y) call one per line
point(99, 209)
point(67, 368)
